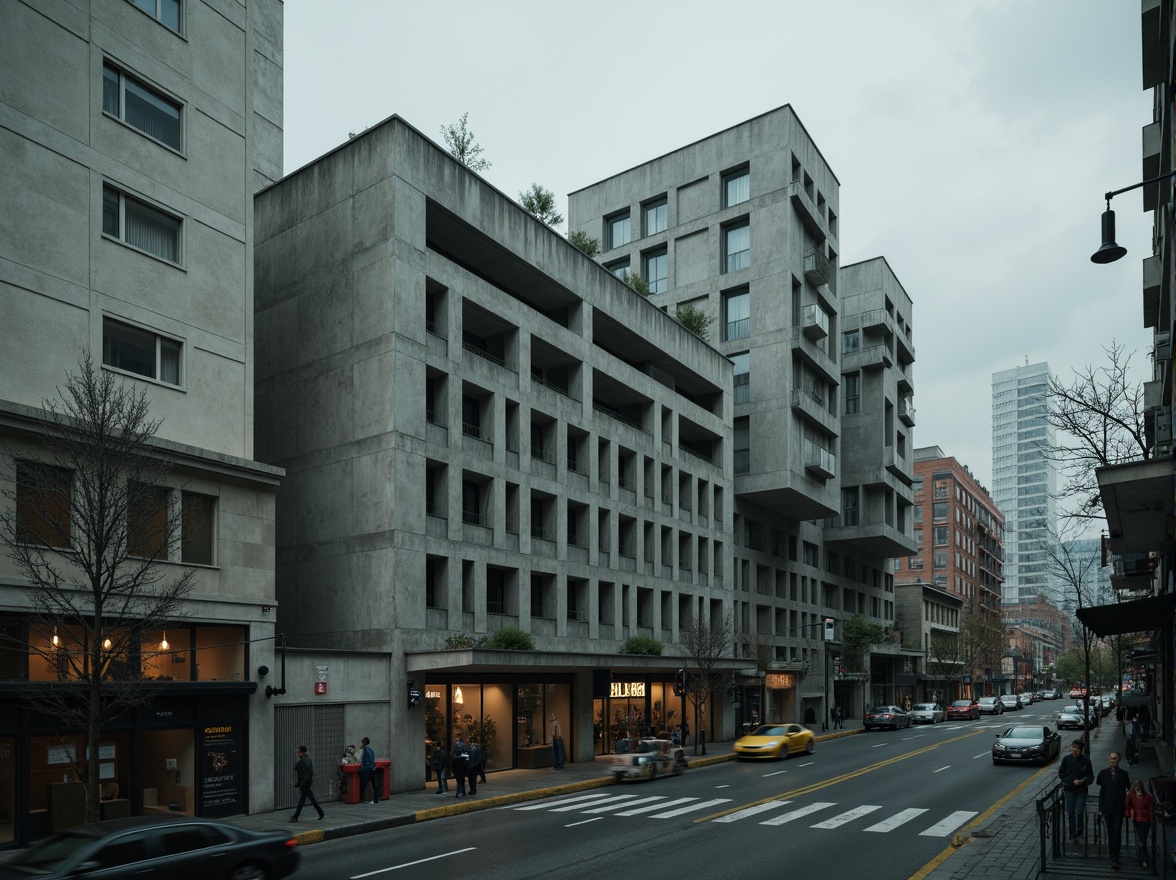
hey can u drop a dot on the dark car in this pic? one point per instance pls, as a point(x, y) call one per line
point(887, 716)
point(966, 710)
point(178, 848)
point(1026, 744)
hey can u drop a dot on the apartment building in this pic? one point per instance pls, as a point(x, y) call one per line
point(927, 618)
point(744, 226)
point(1024, 479)
point(134, 135)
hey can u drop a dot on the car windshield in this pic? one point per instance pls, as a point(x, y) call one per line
point(769, 730)
point(988, 699)
point(925, 707)
point(962, 704)
point(1023, 733)
point(645, 747)
point(44, 855)
point(881, 710)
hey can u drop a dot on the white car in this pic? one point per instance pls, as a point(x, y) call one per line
point(649, 759)
point(991, 706)
point(926, 713)
point(1011, 701)
point(1070, 717)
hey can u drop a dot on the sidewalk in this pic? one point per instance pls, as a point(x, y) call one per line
point(1004, 841)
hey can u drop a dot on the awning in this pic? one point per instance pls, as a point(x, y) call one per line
point(1140, 615)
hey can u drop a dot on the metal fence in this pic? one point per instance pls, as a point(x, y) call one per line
point(320, 729)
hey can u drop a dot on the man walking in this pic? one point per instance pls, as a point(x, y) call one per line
point(1076, 773)
point(460, 763)
point(1113, 786)
point(476, 759)
point(367, 772)
point(304, 779)
point(557, 744)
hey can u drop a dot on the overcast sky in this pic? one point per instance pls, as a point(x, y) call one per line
point(973, 140)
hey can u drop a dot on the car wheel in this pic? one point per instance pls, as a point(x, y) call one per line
point(810, 747)
point(249, 871)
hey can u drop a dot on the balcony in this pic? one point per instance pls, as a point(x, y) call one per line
point(816, 322)
point(906, 411)
point(1152, 140)
point(806, 210)
point(816, 357)
point(816, 266)
point(818, 461)
point(872, 357)
point(1137, 500)
point(1152, 288)
point(811, 404)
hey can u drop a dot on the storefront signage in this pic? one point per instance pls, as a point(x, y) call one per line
point(432, 695)
point(220, 771)
point(780, 680)
point(626, 689)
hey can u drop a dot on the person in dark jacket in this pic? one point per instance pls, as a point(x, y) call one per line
point(1113, 786)
point(304, 780)
point(1076, 773)
point(474, 765)
point(438, 763)
point(367, 772)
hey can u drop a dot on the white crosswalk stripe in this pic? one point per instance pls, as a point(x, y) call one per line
point(652, 807)
point(847, 817)
point(948, 825)
point(896, 820)
point(799, 813)
point(692, 808)
point(752, 811)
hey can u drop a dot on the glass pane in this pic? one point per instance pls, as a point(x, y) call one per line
point(166, 654)
point(197, 528)
point(169, 14)
point(110, 90)
point(169, 361)
point(152, 114)
point(152, 231)
point(128, 348)
point(220, 653)
point(110, 199)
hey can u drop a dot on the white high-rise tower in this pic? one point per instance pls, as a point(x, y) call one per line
point(1024, 479)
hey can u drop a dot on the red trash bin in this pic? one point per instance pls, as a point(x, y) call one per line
point(351, 787)
point(383, 777)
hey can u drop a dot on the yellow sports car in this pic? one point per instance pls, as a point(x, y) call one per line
point(775, 741)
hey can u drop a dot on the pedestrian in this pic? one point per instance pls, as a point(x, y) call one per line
point(1131, 734)
point(1113, 786)
point(557, 744)
point(438, 764)
point(685, 733)
point(349, 756)
point(367, 772)
point(482, 759)
point(460, 763)
point(1076, 773)
point(1139, 808)
point(477, 756)
point(837, 716)
point(1144, 722)
point(304, 781)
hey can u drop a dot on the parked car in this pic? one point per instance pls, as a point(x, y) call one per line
point(887, 716)
point(1051, 694)
point(926, 713)
point(776, 740)
point(991, 706)
point(1038, 696)
point(1077, 693)
point(1070, 718)
point(963, 710)
point(649, 759)
point(176, 847)
point(1011, 701)
point(1026, 744)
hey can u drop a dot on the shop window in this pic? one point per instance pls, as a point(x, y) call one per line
point(220, 653)
point(166, 654)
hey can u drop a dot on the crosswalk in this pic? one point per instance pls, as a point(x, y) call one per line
point(830, 814)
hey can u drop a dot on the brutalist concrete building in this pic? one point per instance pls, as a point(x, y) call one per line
point(483, 428)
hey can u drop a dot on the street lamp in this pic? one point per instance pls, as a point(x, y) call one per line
point(1110, 251)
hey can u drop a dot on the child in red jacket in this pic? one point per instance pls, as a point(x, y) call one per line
point(1139, 807)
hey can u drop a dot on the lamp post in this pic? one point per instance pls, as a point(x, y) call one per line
point(1110, 251)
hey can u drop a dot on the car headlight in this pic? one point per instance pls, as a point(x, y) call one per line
point(999, 747)
point(771, 745)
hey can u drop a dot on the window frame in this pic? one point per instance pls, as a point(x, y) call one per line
point(55, 522)
point(743, 256)
point(208, 526)
point(158, 13)
point(741, 379)
point(659, 284)
point(160, 340)
point(123, 77)
point(147, 208)
point(740, 176)
point(742, 325)
point(610, 225)
point(659, 209)
point(853, 393)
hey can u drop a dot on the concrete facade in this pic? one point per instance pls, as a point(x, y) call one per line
point(123, 223)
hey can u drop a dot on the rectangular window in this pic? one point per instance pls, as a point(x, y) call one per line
point(940, 535)
point(737, 314)
point(147, 529)
point(849, 506)
point(657, 271)
point(141, 352)
point(619, 268)
point(853, 393)
point(166, 11)
point(851, 340)
point(197, 528)
point(43, 504)
point(736, 187)
point(495, 591)
point(618, 230)
point(737, 247)
point(742, 373)
point(140, 225)
point(140, 106)
point(657, 217)
point(742, 447)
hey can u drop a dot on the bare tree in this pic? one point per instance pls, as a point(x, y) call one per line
point(1101, 417)
point(88, 526)
point(705, 644)
point(539, 201)
point(462, 145)
point(981, 641)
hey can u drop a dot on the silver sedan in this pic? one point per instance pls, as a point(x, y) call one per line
point(926, 713)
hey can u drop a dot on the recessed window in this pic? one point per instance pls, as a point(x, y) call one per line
point(140, 106)
point(141, 352)
point(742, 370)
point(742, 446)
point(147, 528)
point(619, 268)
point(849, 506)
point(197, 528)
point(618, 230)
point(657, 271)
point(853, 393)
point(167, 12)
point(737, 247)
point(43, 504)
point(736, 187)
point(657, 216)
point(851, 341)
point(140, 225)
point(737, 314)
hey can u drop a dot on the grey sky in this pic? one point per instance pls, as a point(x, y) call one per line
point(973, 140)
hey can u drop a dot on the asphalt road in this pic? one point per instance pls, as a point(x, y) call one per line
point(885, 803)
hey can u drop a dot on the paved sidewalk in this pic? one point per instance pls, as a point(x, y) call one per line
point(1005, 843)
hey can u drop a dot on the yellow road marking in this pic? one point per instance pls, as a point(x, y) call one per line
point(817, 786)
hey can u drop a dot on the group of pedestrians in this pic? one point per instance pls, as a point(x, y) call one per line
point(466, 765)
point(304, 776)
point(1118, 799)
